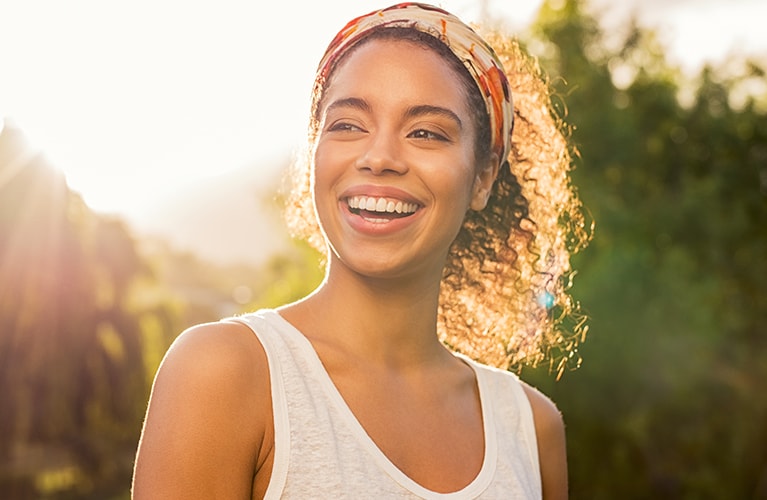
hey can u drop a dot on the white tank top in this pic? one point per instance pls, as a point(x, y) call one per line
point(322, 451)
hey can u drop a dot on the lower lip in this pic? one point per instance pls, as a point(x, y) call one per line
point(377, 227)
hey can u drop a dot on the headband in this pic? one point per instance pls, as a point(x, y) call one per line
point(475, 54)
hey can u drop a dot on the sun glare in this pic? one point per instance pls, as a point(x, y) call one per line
point(133, 100)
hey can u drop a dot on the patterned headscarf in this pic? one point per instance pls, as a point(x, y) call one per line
point(475, 54)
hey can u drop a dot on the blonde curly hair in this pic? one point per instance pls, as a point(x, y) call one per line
point(504, 295)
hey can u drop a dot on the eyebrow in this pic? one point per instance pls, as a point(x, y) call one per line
point(427, 109)
point(349, 102)
point(412, 112)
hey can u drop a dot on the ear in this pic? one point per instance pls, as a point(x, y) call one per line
point(483, 183)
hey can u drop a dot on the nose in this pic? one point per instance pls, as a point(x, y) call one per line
point(382, 156)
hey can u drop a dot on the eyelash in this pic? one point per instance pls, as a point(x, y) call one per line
point(419, 134)
point(427, 135)
point(343, 127)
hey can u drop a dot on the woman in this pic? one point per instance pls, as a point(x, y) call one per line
point(351, 392)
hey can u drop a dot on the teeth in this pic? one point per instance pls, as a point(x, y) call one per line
point(382, 205)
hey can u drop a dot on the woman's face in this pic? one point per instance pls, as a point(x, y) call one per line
point(394, 162)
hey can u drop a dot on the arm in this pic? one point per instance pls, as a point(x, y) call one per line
point(552, 452)
point(208, 415)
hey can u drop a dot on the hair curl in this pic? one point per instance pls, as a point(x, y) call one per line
point(504, 296)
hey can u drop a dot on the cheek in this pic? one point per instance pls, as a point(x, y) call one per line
point(320, 175)
point(461, 181)
point(323, 176)
point(325, 159)
point(331, 162)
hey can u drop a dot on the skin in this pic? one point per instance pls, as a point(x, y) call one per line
point(392, 127)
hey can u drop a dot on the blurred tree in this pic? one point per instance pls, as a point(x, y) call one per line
point(69, 340)
point(668, 402)
point(289, 276)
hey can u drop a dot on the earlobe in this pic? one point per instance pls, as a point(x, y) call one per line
point(483, 183)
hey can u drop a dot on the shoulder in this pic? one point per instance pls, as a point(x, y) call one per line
point(549, 431)
point(214, 350)
point(208, 414)
point(550, 436)
point(547, 417)
point(222, 362)
point(214, 359)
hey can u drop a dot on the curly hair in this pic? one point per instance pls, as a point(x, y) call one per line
point(504, 295)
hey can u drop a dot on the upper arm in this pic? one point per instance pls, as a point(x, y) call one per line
point(207, 417)
point(552, 451)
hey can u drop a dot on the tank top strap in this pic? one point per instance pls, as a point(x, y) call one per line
point(278, 356)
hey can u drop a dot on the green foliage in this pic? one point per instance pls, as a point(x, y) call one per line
point(86, 315)
point(289, 276)
point(70, 341)
point(668, 402)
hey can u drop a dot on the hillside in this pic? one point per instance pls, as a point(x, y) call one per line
point(230, 218)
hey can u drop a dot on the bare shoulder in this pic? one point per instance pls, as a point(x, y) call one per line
point(213, 350)
point(552, 450)
point(547, 417)
point(214, 360)
point(207, 416)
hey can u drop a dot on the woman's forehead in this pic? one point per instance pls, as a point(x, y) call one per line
point(379, 70)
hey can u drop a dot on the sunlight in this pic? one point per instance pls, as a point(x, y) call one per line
point(129, 116)
point(32, 256)
point(135, 100)
point(697, 31)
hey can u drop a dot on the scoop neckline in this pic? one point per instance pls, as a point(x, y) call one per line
point(480, 482)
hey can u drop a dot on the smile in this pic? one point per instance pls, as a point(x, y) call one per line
point(373, 207)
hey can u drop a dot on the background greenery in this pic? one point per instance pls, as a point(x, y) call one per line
point(668, 402)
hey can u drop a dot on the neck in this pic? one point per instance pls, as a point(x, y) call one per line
point(388, 321)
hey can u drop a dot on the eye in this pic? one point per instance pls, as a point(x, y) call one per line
point(427, 135)
point(340, 126)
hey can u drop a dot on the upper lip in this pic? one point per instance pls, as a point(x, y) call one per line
point(374, 191)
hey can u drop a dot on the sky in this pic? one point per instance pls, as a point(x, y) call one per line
point(135, 99)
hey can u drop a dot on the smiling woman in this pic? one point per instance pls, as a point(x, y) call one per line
point(446, 254)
